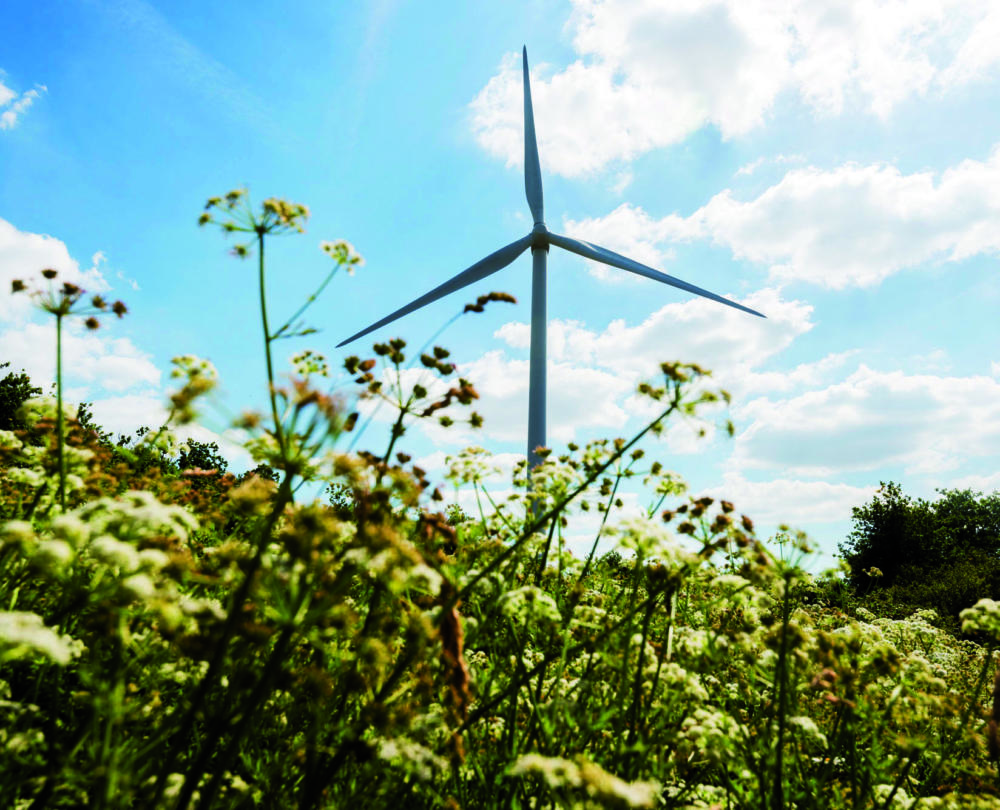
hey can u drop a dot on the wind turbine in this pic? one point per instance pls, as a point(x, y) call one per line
point(539, 240)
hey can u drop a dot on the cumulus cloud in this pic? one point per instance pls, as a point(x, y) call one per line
point(980, 483)
point(628, 230)
point(90, 359)
point(125, 413)
point(925, 424)
point(849, 226)
point(792, 501)
point(727, 341)
point(100, 366)
point(579, 397)
point(93, 360)
point(648, 73)
point(592, 374)
point(24, 255)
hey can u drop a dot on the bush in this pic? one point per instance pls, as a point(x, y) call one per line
point(915, 554)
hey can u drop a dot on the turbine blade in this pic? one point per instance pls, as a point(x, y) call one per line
point(532, 168)
point(605, 256)
point(484, 267)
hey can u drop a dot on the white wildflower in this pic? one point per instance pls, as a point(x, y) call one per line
point(114, 553)
point(808, 728)
point(17, 533)
point(153, 559)
point(420, 761)
point(530, 602)
point(422, 577)
point(983, 617)
point(555, 771)
point(472, 465)
point(679, 679)
point(137, 515)
point(139, 586)
point(71, 528)
point(35, 409)
point(652, 539)
point(608, 788)
point(52, 555)
point(24, 635)
point(25, 475)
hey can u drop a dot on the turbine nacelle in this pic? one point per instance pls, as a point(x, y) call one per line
point(539, 237)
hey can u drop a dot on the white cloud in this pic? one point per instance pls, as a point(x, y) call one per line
point(24, 255)
point(90, 359)
point(727, 341)
point(13, 107)
point(986, 484)
point(856, 225)
point(579, 397)
point(592, 374)
point(795, 502)
point(649, 73)
point(753, 165)
point(923, 423)
point(125, 413)
point(628, 230)
point(849, 226)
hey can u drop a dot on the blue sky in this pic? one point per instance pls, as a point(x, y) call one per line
point(837, 169)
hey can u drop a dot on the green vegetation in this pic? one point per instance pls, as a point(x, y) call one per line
point(176, 637)
point(907, 554)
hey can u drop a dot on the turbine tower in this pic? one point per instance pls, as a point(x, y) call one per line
point(539, 240)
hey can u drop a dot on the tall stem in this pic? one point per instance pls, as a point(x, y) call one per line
point(278, 432)
point(781, 688)
point(60, 427)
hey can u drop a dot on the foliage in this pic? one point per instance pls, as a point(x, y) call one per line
point(15, 390)
point(910, 554)
point(175, 646)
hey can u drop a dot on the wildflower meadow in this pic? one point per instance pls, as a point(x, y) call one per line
point(176, 636)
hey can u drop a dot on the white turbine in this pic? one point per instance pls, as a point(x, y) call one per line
point(539, 240)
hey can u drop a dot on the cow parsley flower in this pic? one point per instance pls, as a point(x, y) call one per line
point(412, 756)
point(53, 556)
point(530, 604)
point(651, 539)
point(24, 635)
point(982, 617)
point(114, 553)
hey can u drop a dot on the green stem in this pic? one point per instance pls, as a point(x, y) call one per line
point(278, 432)
point(60, 427)
point(781, 688)
point(600, 530)
point(963, 723)
point(176, 740)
